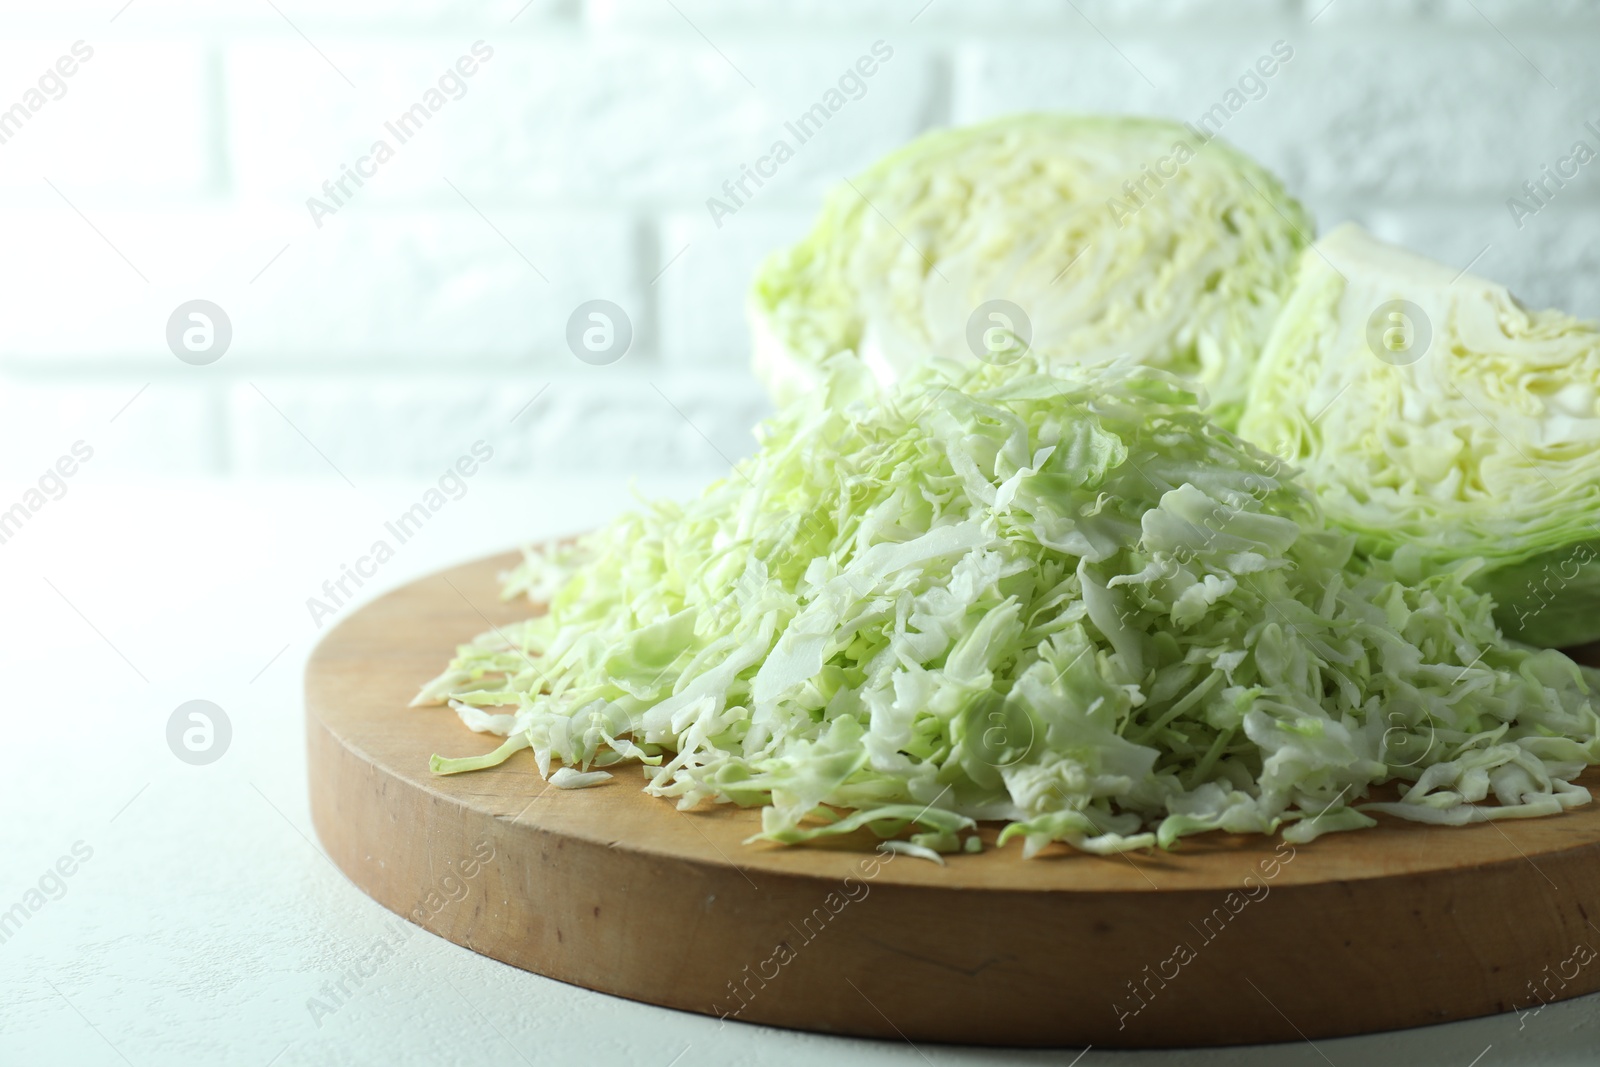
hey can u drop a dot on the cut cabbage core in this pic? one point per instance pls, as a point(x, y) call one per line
point(1080, 238)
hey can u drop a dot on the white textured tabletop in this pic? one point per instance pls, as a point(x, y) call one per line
point(158, 912)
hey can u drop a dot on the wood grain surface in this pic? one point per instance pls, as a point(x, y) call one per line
point(1227, 940)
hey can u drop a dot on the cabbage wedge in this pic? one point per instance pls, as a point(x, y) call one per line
point(1433, 414)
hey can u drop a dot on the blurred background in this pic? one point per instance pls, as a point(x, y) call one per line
point(357, 341)
point(576, 165)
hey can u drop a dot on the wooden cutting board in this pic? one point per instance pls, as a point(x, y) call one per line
point(1227, 940)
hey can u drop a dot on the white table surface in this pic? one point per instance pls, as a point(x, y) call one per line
point(206, 917)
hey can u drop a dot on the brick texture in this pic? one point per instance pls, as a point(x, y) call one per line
point(575, 164)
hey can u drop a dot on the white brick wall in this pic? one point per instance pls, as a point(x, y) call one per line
point(429, 309)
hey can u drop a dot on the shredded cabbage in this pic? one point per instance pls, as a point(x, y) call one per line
point(1113, 236)
point(1475, 433)
point(1061, 598)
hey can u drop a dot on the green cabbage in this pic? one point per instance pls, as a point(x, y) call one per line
point(1114, 236)
point(1061, 598)
point(1465, 427)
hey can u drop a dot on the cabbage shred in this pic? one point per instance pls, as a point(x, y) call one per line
point(1058, 598)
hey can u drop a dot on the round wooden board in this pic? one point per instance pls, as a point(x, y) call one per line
point(1228, 940)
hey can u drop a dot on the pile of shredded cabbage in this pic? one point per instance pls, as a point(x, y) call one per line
point(1061, 598)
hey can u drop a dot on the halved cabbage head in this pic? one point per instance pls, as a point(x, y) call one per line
point(1434, 413)
point(1061, 598)
point(1113, 236)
